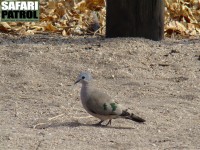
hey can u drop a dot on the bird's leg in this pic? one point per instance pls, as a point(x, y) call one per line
point(99, 123)
point(109, 122)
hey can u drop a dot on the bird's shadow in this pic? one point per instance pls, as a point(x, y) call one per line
point(78, 124)
point(74, 124)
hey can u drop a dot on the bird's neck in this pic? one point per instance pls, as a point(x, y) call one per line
point(84, 94)
point(85, 84)
point(84, 89)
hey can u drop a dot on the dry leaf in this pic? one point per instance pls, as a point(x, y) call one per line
point(64, 33)
point(5, 27)
point(50, 27)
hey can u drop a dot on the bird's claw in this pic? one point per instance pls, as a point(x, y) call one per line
point(98, 124)
point(109, 122)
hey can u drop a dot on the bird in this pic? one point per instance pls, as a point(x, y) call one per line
point(101, 105)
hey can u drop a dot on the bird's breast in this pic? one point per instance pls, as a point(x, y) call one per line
point(84, 97)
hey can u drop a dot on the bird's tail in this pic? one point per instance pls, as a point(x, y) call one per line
point(125, 114)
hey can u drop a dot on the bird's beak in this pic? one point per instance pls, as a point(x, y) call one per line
point(77, 81)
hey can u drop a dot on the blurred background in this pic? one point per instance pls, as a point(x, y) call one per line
point(83, 17)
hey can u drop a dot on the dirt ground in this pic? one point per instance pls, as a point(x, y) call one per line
point(40, 107)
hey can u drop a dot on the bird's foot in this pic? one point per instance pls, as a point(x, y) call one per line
point(109, 122)
point(98, 124)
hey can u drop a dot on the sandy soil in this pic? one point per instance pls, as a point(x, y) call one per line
point(41, 110)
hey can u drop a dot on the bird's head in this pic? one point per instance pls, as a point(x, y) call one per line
point(83, 77)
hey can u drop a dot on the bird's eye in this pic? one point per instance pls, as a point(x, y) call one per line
point(83, 77)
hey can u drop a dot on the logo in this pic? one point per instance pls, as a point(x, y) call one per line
point(19, 11)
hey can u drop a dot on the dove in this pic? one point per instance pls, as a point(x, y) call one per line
point(100, 104)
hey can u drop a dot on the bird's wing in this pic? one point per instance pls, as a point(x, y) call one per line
point(100, 103)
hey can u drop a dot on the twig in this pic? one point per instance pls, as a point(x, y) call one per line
point(56, 117)
point(16, 105)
